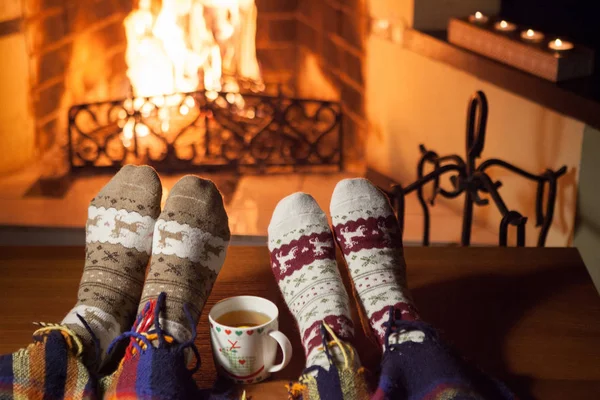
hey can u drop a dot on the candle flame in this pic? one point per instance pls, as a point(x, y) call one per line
point(478, 15)
point(503, 24)
point(530, 32)
point(558, 43)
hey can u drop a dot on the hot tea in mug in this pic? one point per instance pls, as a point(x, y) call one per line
point(244, 338)
point(243, 319)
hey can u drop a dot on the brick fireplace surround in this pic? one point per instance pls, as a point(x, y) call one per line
point(77, 55)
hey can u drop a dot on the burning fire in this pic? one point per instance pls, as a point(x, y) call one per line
point(180, 46)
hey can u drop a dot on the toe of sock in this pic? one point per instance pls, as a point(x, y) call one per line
point(296, 206)
point(199, 190)
point(357, 192)
point(143, 177)
point(199, 203)
point(134, 188)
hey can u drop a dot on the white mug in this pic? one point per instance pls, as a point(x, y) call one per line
point(247, 354)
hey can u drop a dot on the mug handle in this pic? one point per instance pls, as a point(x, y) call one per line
point(286, 348)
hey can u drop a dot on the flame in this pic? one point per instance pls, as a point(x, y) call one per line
point(180, 46)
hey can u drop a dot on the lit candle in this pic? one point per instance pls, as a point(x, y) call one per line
point(478, 18)
point(504, 26)
point(560, 45)
point(532, 36)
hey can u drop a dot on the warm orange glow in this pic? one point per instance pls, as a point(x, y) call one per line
point(187, 43)
point(560, 45)
point(183, 47)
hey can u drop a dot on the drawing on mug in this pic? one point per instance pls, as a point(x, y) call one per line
point(240, 367)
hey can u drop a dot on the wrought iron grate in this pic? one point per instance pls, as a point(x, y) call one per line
point(207, 131)
point(472, 179)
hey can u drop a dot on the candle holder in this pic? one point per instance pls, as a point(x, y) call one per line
point(472, 180)
point(505, 26)
point(532, 36)
point(554, 62)
point(478, 18)
point(560, 45)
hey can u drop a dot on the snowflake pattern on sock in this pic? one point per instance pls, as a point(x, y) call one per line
point(119, 230)
point(303, 262)
point(369, 236)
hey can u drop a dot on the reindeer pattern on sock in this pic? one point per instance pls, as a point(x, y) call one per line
point(93, 222)
point(185, 241)
point(120, 224)
point(309, 341)
point(284, 260)
point(165, 234)
point(385, 232)
point(210, 249)
point(319, 246)
point(350, 236)
point(127, 228)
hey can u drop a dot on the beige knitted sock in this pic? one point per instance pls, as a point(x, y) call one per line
point(118, 241)
point(191, 238)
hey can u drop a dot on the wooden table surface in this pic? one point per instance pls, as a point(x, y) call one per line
point(529, 316)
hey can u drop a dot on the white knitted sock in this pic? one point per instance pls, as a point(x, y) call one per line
point(303, 262)
point(368, 234)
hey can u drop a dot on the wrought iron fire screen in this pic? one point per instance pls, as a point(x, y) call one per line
point(207, 131)
point(472, 180)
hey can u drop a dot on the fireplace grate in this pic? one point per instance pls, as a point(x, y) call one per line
point(207, 131)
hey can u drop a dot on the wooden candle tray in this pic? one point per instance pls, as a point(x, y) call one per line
point(509, 48)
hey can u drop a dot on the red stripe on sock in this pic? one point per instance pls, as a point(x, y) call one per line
point(300, 252)
point(340, 324)
point(370, 233)
point(407, 313)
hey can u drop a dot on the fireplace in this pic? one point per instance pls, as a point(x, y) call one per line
point(197, 100)
point(197, 85)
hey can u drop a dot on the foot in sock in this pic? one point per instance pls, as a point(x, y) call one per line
point(369, 236)
point(415, 362)
point(303, 262)
point(191, 238)
point(118, 242)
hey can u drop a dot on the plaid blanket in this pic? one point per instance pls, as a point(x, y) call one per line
point(154, 368)
point(49, 368)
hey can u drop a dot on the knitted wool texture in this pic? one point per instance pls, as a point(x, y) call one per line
point(118, 241)
point(303, 262)
point(49, 368)
point(191, 238)
point(370, 239)
point(154, 366)
point(418, 365)
point(343, 379)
